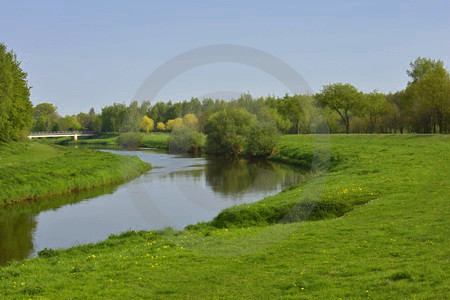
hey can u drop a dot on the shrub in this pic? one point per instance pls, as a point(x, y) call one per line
point(186, 139)
point(262, 140)
point(234, 132)
point(190, 120)
point(130, 139)
point(147, 124)
point(227, 131)
point(161, 126)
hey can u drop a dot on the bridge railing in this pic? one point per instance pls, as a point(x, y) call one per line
point(61, 132)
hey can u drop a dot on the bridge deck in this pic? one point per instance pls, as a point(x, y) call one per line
point(60, 134)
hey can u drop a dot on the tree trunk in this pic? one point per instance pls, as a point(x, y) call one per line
point(347, 125)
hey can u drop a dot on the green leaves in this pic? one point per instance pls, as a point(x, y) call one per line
point(234, 132)
point(16, 109)
point(345, 99)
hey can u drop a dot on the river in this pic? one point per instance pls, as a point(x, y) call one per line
point(178, 191)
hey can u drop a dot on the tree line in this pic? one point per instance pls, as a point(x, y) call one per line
point(421, 107)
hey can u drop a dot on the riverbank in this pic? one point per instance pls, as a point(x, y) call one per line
point(32, 170)
point(394, 246)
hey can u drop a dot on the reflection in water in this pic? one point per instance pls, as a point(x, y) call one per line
point(178, 191)
point(235, 177)
point(18, 223)
point(238, 176)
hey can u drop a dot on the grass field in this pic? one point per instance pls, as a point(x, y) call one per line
point(379, 229)
point(29, 170)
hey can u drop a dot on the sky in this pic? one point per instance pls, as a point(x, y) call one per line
point(82, 54)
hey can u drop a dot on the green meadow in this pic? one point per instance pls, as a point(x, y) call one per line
point(370, 222)
point(32, 170)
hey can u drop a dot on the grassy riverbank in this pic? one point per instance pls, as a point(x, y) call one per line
point(390, 241)
point(30, 170)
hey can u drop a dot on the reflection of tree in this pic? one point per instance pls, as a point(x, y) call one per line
point(15, 235)
point(18, 222)
point(232, 177)
point(238, 176)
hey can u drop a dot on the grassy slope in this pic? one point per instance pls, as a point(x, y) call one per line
point(395, 246)
point(31, 170)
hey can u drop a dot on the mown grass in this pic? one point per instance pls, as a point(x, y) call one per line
point(150, 140)
point(395, 246)
point(30, 170)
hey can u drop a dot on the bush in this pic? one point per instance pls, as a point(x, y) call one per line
point(130, 139)
point(235, 132)
point(227, 131)
point(262, 140)
point(186, 139)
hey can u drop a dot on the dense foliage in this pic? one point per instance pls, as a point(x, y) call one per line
point(227, 131)
point(16, 109)
point(186, 139)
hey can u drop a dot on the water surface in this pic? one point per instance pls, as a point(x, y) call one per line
point(178, 191)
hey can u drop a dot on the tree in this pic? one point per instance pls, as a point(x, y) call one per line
point(375, 108)
point(91, 111)
point(158, 112)
point(174, 110)
point(113, 117)
point(398, 117)
point(16, 110)
point(186, 139)
point(345, 99)
point(190, 120)
point(431, 96)
point(268, 114)
point(227, 131)
point(177, 123)
point(262, 140)
point(45, 117)
point(428, 93)
point(293, 109)
point(169, 125)
point(69, 123)
point(421, 66)
point(147, 124)
point(161, 126)
point(132, 120)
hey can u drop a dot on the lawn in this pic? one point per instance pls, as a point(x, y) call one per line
point(377, 227)
point(30, 170)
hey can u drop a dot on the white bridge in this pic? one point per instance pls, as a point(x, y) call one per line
point(54, 134)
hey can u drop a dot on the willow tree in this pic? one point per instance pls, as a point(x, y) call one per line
point(16, 110)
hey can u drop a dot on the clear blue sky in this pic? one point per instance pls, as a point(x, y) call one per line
point(80, 54)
